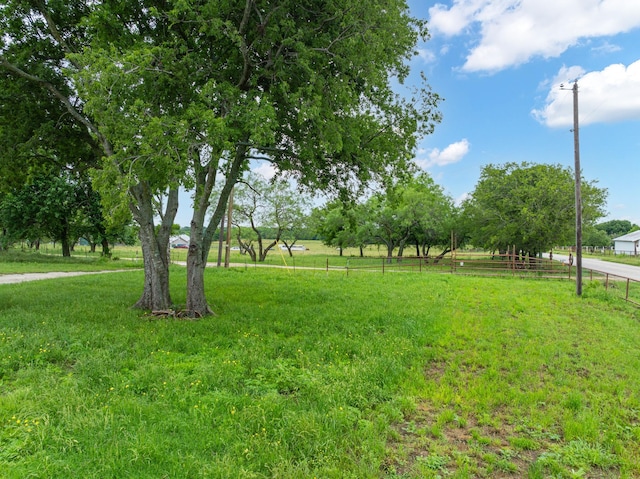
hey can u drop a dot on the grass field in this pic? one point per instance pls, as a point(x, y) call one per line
point(306, 374)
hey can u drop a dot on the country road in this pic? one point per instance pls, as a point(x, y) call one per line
point(624, 270)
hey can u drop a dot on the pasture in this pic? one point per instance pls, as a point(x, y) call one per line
point(307, 374)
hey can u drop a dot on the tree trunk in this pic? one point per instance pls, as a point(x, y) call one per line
point(106, 251)
point(155, 247)
point(196, 299)
point(66, 248)
point(196, 263)
point(265, 251)
point(66, 244)
point(400, 250)
point(289, 246)
point(155, 294)
point(201, 237)
point(390, 247)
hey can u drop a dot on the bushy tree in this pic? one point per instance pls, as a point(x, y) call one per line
point(335, 223)
point(185, 93)
point(529, 206)
point(414, 209)
point(616, 228)
point(432, 215)
point(46, 207)
point(259, 203)
point(595, 237)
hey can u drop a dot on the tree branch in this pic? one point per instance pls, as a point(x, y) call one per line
point(55, 33)
point(63, 98)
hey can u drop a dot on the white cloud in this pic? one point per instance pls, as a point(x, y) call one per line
point(460, 199)
point(427, 55)
point(514, 31)
point(606, 48)
point(451, 154)
point(265, 169)
point(604, 96)
point(452, 21)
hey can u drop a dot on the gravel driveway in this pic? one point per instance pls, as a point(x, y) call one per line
point(21, 278)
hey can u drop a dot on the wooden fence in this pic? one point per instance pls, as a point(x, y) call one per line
point(477, 264)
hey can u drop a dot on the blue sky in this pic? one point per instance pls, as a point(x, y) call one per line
point(499, 65)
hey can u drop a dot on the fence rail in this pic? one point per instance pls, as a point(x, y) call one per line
point(507, 265)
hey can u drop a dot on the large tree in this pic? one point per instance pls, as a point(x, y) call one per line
point(187, 92)
point(529, 206)
point(431, 213)
point(43, 147)
point(306, 85)
point(335, 223)
point(46, 46)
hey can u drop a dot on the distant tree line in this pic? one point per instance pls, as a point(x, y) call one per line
point(523, 206)
point(526, 207)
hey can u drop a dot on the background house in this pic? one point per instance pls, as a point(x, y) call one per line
point(628, 244)
point(179, 241)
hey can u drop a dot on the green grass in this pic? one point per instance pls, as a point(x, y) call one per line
point(632, 260)
point(307, 374)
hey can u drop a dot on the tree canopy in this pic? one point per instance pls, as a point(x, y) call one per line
point(411, 210)
point(531, 207)
point(616, 228)
point(185, 93)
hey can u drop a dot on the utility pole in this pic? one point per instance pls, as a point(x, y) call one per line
point(576, 148)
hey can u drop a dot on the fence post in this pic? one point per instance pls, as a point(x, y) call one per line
point(627, 295)
point(383, 261)
point(327, 264)
point(606, 282)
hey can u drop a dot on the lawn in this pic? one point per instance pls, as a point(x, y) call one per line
point(311, 374)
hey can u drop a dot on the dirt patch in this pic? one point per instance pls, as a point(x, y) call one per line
point(427, 442)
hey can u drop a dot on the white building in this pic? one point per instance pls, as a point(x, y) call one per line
point(180, 241)
point(628, 244)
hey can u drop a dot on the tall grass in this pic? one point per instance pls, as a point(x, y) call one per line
point(310, 374)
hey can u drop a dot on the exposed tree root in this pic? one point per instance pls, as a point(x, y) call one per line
point(183, 314)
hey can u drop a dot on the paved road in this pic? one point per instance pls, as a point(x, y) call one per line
point(624, 270)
